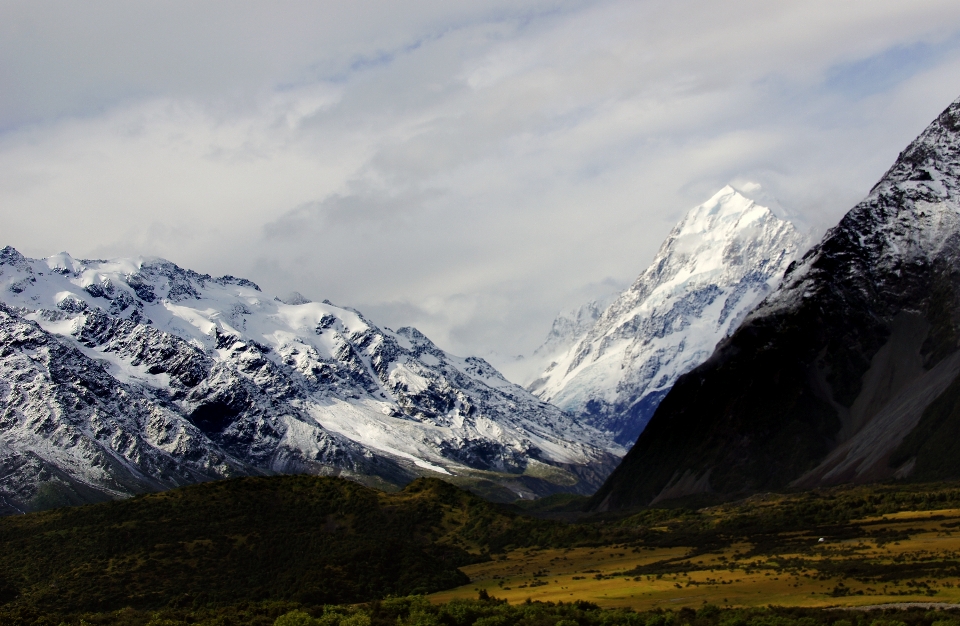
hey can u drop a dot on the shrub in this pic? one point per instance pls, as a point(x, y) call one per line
point(296, 618)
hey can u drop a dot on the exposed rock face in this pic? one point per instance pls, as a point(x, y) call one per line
point(846, 373)
point(123, 376)
point(716, 265)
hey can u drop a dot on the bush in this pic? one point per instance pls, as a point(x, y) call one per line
point(296, 618)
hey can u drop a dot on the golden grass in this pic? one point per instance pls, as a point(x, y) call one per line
point(728, 578)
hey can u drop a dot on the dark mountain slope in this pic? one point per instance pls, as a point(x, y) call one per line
point(304, 539)
point(823, 381)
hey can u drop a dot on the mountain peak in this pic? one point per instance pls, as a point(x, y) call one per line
point(726, 212)
point(723, 257)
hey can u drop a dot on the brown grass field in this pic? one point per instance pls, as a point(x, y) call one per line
point(901, 557)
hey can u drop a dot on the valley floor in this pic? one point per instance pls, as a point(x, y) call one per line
point(910, 556)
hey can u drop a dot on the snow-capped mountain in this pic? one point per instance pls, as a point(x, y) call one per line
point(849, 372)
point(134, 374)
point(722, 258)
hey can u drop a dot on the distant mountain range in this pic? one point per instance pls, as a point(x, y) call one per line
point(129, 375)
point(611, 366)
point(849, 372)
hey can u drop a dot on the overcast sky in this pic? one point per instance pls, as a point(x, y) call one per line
point(469, 168)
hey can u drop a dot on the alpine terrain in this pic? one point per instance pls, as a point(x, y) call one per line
point(133, 375)
point(847, 373)
point(568, 328)
point(720, 260)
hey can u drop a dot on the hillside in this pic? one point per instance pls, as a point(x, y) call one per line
point(303, 539)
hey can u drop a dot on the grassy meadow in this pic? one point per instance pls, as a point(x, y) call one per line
point(906, 556)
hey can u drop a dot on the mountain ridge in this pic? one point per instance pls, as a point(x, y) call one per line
point(254, 385)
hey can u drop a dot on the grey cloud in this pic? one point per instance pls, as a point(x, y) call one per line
point(339, 211)
point(468, 168)
point(884, 70)
point(75, 58)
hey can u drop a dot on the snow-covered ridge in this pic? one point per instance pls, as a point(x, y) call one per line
point(911, 217)
point(722, 258)
point(262, 385)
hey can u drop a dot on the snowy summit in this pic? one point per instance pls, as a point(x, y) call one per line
point(722, 258)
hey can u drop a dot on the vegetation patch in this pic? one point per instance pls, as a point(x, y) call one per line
point(300, 539)
point(490, 611)
point(278, 544)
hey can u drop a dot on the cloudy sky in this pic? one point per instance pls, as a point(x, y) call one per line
point(469, 168)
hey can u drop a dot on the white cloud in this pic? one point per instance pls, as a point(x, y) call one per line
point(468, 168)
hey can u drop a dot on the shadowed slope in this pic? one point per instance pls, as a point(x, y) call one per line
point(299, 538)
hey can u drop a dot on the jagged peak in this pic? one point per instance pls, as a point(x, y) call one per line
point(940, 137)
point(727, 211)
point(415, 337)
point(294, 298)
point(716, 263)
point(912, 215)
point(63, 263)
point(709, 238)
point(11, 256)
